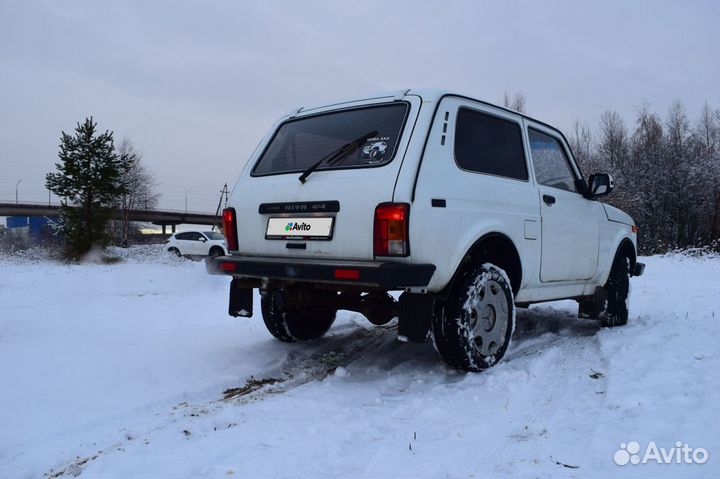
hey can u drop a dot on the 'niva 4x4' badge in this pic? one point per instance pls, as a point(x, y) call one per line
point(297, 227)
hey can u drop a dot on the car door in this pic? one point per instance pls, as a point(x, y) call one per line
point(187, 243)
point(198, 243)
point(181, 242)
point(569, 221)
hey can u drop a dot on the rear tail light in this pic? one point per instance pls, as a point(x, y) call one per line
point(390, 233)
point(230, 229)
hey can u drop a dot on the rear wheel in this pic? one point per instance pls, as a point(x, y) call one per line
point(473, 329)
point(174, 251)
point(297, 323)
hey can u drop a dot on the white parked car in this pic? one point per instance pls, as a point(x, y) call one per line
point(473, 211)
point(197, 243)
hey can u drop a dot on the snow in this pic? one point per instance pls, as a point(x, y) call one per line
point(135, 369)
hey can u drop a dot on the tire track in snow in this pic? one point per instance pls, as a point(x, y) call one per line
point(528, 440)
point(298, 369)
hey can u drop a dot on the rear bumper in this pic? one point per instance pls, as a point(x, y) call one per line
point(378, 274)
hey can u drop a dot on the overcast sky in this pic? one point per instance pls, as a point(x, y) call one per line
point(195, 86)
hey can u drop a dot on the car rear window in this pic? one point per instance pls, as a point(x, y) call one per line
point(298, 144)
point(489, 144)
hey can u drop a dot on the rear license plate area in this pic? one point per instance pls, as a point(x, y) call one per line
point(300, 228)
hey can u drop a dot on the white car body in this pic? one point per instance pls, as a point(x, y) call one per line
point(196, 243)
point(565, 249)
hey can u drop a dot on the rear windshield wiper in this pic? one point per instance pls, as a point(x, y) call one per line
point(337, 155)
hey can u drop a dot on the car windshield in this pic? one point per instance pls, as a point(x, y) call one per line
point(213, 235)
point(300, 143)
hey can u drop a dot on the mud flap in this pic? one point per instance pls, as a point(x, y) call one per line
point(416, 312)
point(639, 269)
point(594, 306)
point(241, 299)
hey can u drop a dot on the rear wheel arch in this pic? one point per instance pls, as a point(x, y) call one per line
point(498, 249)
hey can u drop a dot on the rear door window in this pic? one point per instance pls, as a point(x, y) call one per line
point(298, 144)
point(489, 144)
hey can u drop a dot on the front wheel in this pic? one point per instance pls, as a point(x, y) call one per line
point(618, 294)
point(294, 324)
point(472, 331)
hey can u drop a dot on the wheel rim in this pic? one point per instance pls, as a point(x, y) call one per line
point(488, 317)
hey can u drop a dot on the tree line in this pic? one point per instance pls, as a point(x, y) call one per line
point(666, 171)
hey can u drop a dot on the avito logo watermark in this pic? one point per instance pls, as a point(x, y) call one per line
point(297, 226)
point(629, 453)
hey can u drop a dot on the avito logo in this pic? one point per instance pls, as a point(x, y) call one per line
point(297, 226)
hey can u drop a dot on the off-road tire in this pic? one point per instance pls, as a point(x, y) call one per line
point(618, 292)
point(456, 322)
point(291, 326)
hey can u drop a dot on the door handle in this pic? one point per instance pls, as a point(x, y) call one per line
point(549, 200)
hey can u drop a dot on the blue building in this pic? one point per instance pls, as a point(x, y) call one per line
point(37, 225)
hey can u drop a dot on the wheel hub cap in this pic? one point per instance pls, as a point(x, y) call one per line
point(489, 317)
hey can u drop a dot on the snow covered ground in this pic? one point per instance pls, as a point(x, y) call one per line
point(135, 370)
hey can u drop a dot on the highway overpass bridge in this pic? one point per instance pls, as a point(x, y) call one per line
point(157, 217)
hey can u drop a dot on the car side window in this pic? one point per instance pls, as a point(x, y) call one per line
point(183, 236)
point(552, 167)
point(489, 144)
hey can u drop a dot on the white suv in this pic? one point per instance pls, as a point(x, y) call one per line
point(196, 243)
point(470, 211)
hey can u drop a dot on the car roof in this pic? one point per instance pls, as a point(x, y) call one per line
point(426, 94)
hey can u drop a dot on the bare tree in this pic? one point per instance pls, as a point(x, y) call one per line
point(140, 186)
point(707, 159)
point(517, 102)
point(613, 143)
point(581, 143)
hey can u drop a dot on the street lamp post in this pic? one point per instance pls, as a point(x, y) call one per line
point(186, 192)
point(16, 191)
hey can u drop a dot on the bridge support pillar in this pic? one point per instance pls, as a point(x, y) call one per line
point(163, 229)
point(173, 228)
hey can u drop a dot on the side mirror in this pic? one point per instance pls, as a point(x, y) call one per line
point(599, 185)
point(203, 239)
